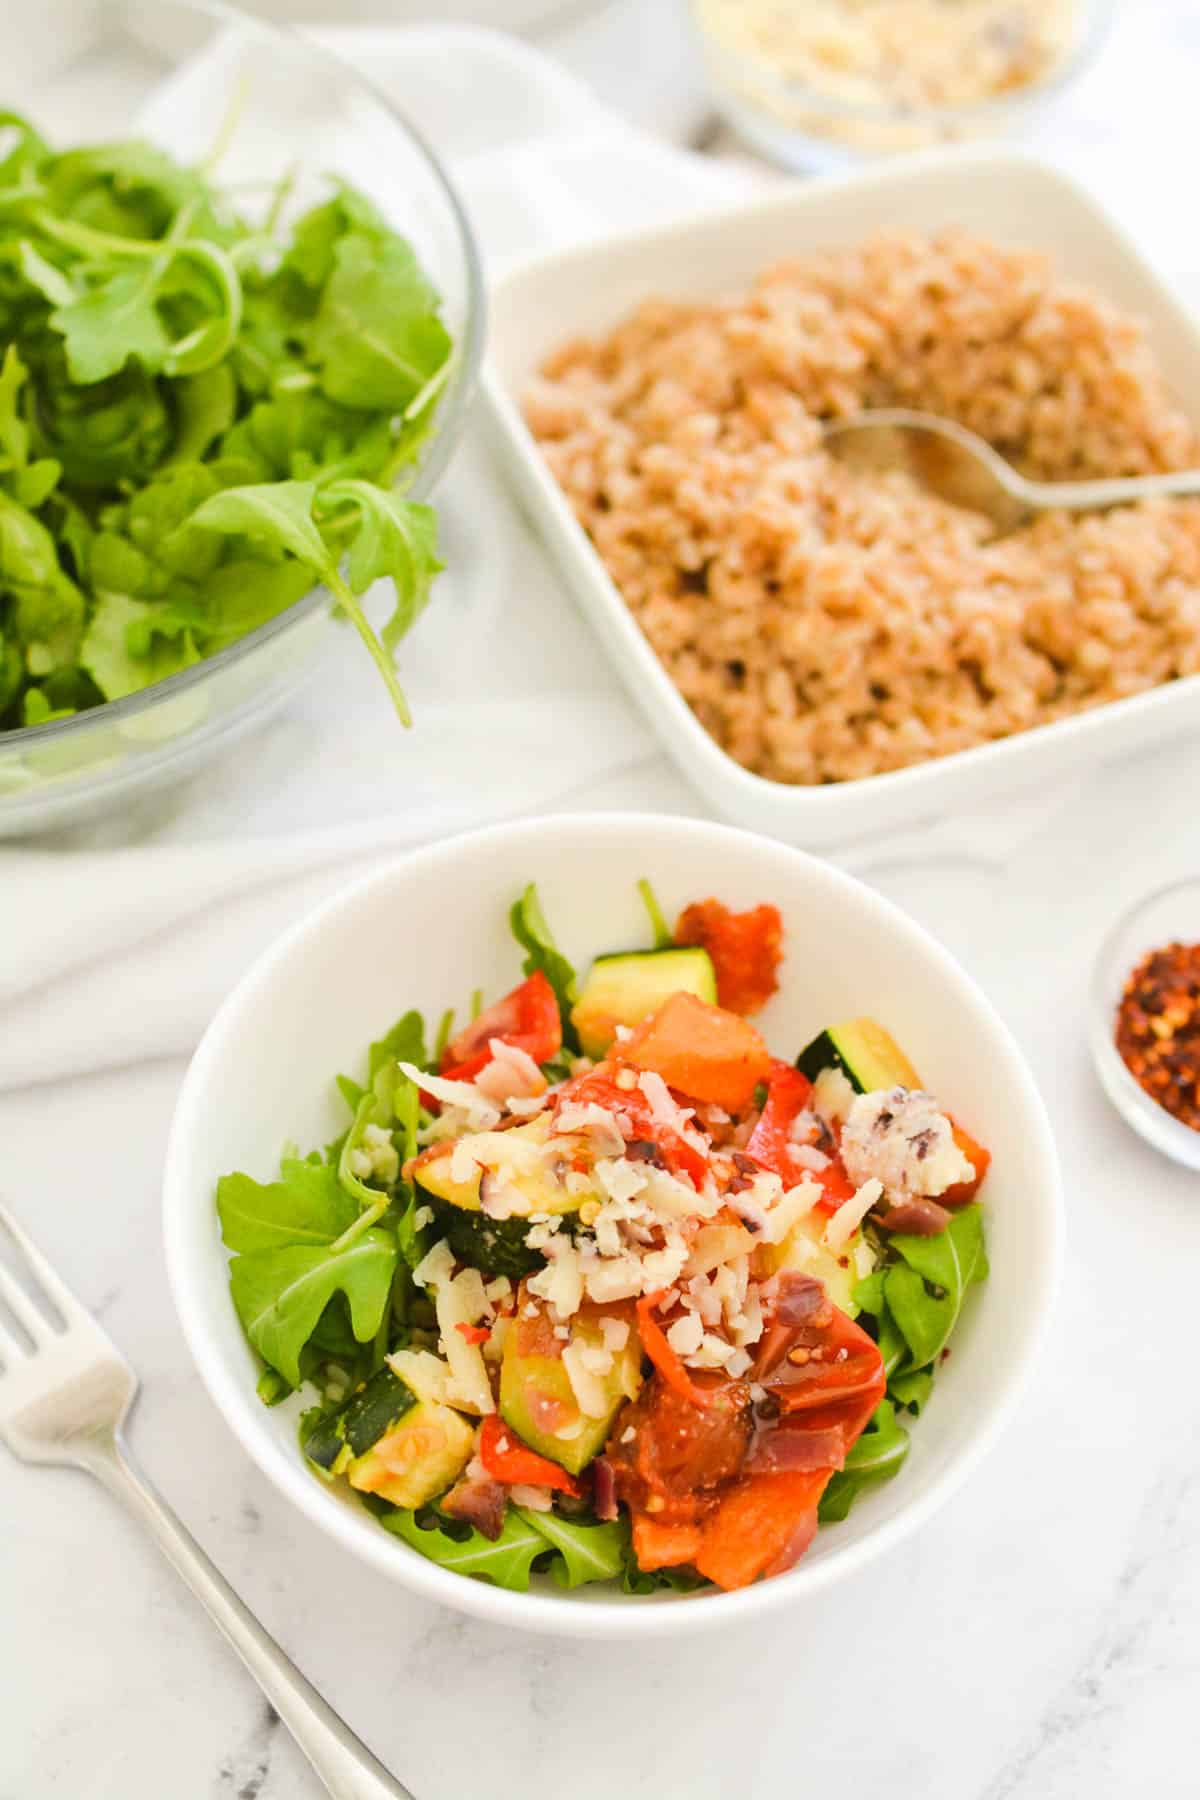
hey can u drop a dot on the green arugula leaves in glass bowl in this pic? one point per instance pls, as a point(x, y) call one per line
point(237, 339)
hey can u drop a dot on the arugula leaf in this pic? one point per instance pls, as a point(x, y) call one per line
point(48, 610)
point(585, 1552)
point(205, 409)
point(277, 513)
point(305, 1206)
point(658, 924)
point(377, 1107)
point(911, 1389)
point(867, 1293)
point(396, 538)
point(311, 254)
point(241, 595)
point(528, 925)
point(105, 434)
point(507, 1562)
point(376, 338)
point(281, 1294)
point(581, 1552)
point(14, 438)
point(296, 433)
point(280, 514)
point(26, 150)
point(30, 483)
point(128, 188)
point(114, 321)
point(874, 1459)
point(404, 1042)
point(123, 655)
point(271, 1388)
point(414, 1241)
point(351, 1091)
point(926, 1289)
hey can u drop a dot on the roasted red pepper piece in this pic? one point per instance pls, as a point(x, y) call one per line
point(507, 1459)
point(745, 947)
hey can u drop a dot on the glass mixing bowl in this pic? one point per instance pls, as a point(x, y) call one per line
point(179, 72)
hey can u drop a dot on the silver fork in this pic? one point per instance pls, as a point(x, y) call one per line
point(65, 1401)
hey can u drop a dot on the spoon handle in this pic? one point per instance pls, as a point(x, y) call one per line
point(1085, 496)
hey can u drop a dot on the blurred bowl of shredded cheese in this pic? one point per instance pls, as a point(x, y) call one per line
point(818, 83)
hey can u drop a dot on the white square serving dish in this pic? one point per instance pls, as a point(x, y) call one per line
point(1010, 197)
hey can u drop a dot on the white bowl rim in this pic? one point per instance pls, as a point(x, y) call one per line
point(667, 1616)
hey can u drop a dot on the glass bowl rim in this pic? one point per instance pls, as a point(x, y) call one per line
point(466, 358)
point(1097, 21)
point(1152, 1122)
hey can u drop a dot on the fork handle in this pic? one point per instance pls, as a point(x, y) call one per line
point(343, 1762)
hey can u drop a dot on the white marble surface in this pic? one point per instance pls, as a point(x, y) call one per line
point(1039, 1641)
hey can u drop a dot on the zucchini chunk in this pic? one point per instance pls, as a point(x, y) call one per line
point(625, 988)
point(537, 1396)
point(838, 1271)
point(337, 1438)
point(422, 1455)
point(531, 1185)
point(389, 1440)
point(866, 1054)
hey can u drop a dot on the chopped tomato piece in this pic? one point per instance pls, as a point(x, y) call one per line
point(507, 1459)
point(745, 947)
point(980, 1160)
point(761, 1526)
point(658, 1142)
point(702, 1051)
point(664, 1546)
point(528, 1018)
point(770, 1142)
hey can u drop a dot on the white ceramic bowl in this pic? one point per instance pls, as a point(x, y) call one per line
point(1001, 194)
point(427, 930)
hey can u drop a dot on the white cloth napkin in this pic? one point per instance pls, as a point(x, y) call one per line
point(119, 942)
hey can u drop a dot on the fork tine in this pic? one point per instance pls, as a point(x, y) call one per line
point(51, 1284)
point(12, 1354)
point(22, 1307)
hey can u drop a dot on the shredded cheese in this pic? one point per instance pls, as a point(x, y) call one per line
point(850, 1214)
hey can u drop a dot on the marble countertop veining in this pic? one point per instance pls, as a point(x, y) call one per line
point(1039, 1641)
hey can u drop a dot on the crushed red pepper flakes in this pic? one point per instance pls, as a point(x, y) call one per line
point(1158, 1029)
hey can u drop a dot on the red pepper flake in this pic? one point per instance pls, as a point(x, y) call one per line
point(1158, 1029)
point(474, 1334)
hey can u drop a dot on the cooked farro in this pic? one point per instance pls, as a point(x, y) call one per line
point(825, 625)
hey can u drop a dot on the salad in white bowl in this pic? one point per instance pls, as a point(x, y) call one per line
point(651, 1276)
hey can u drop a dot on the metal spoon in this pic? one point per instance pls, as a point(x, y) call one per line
point(959, 466)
